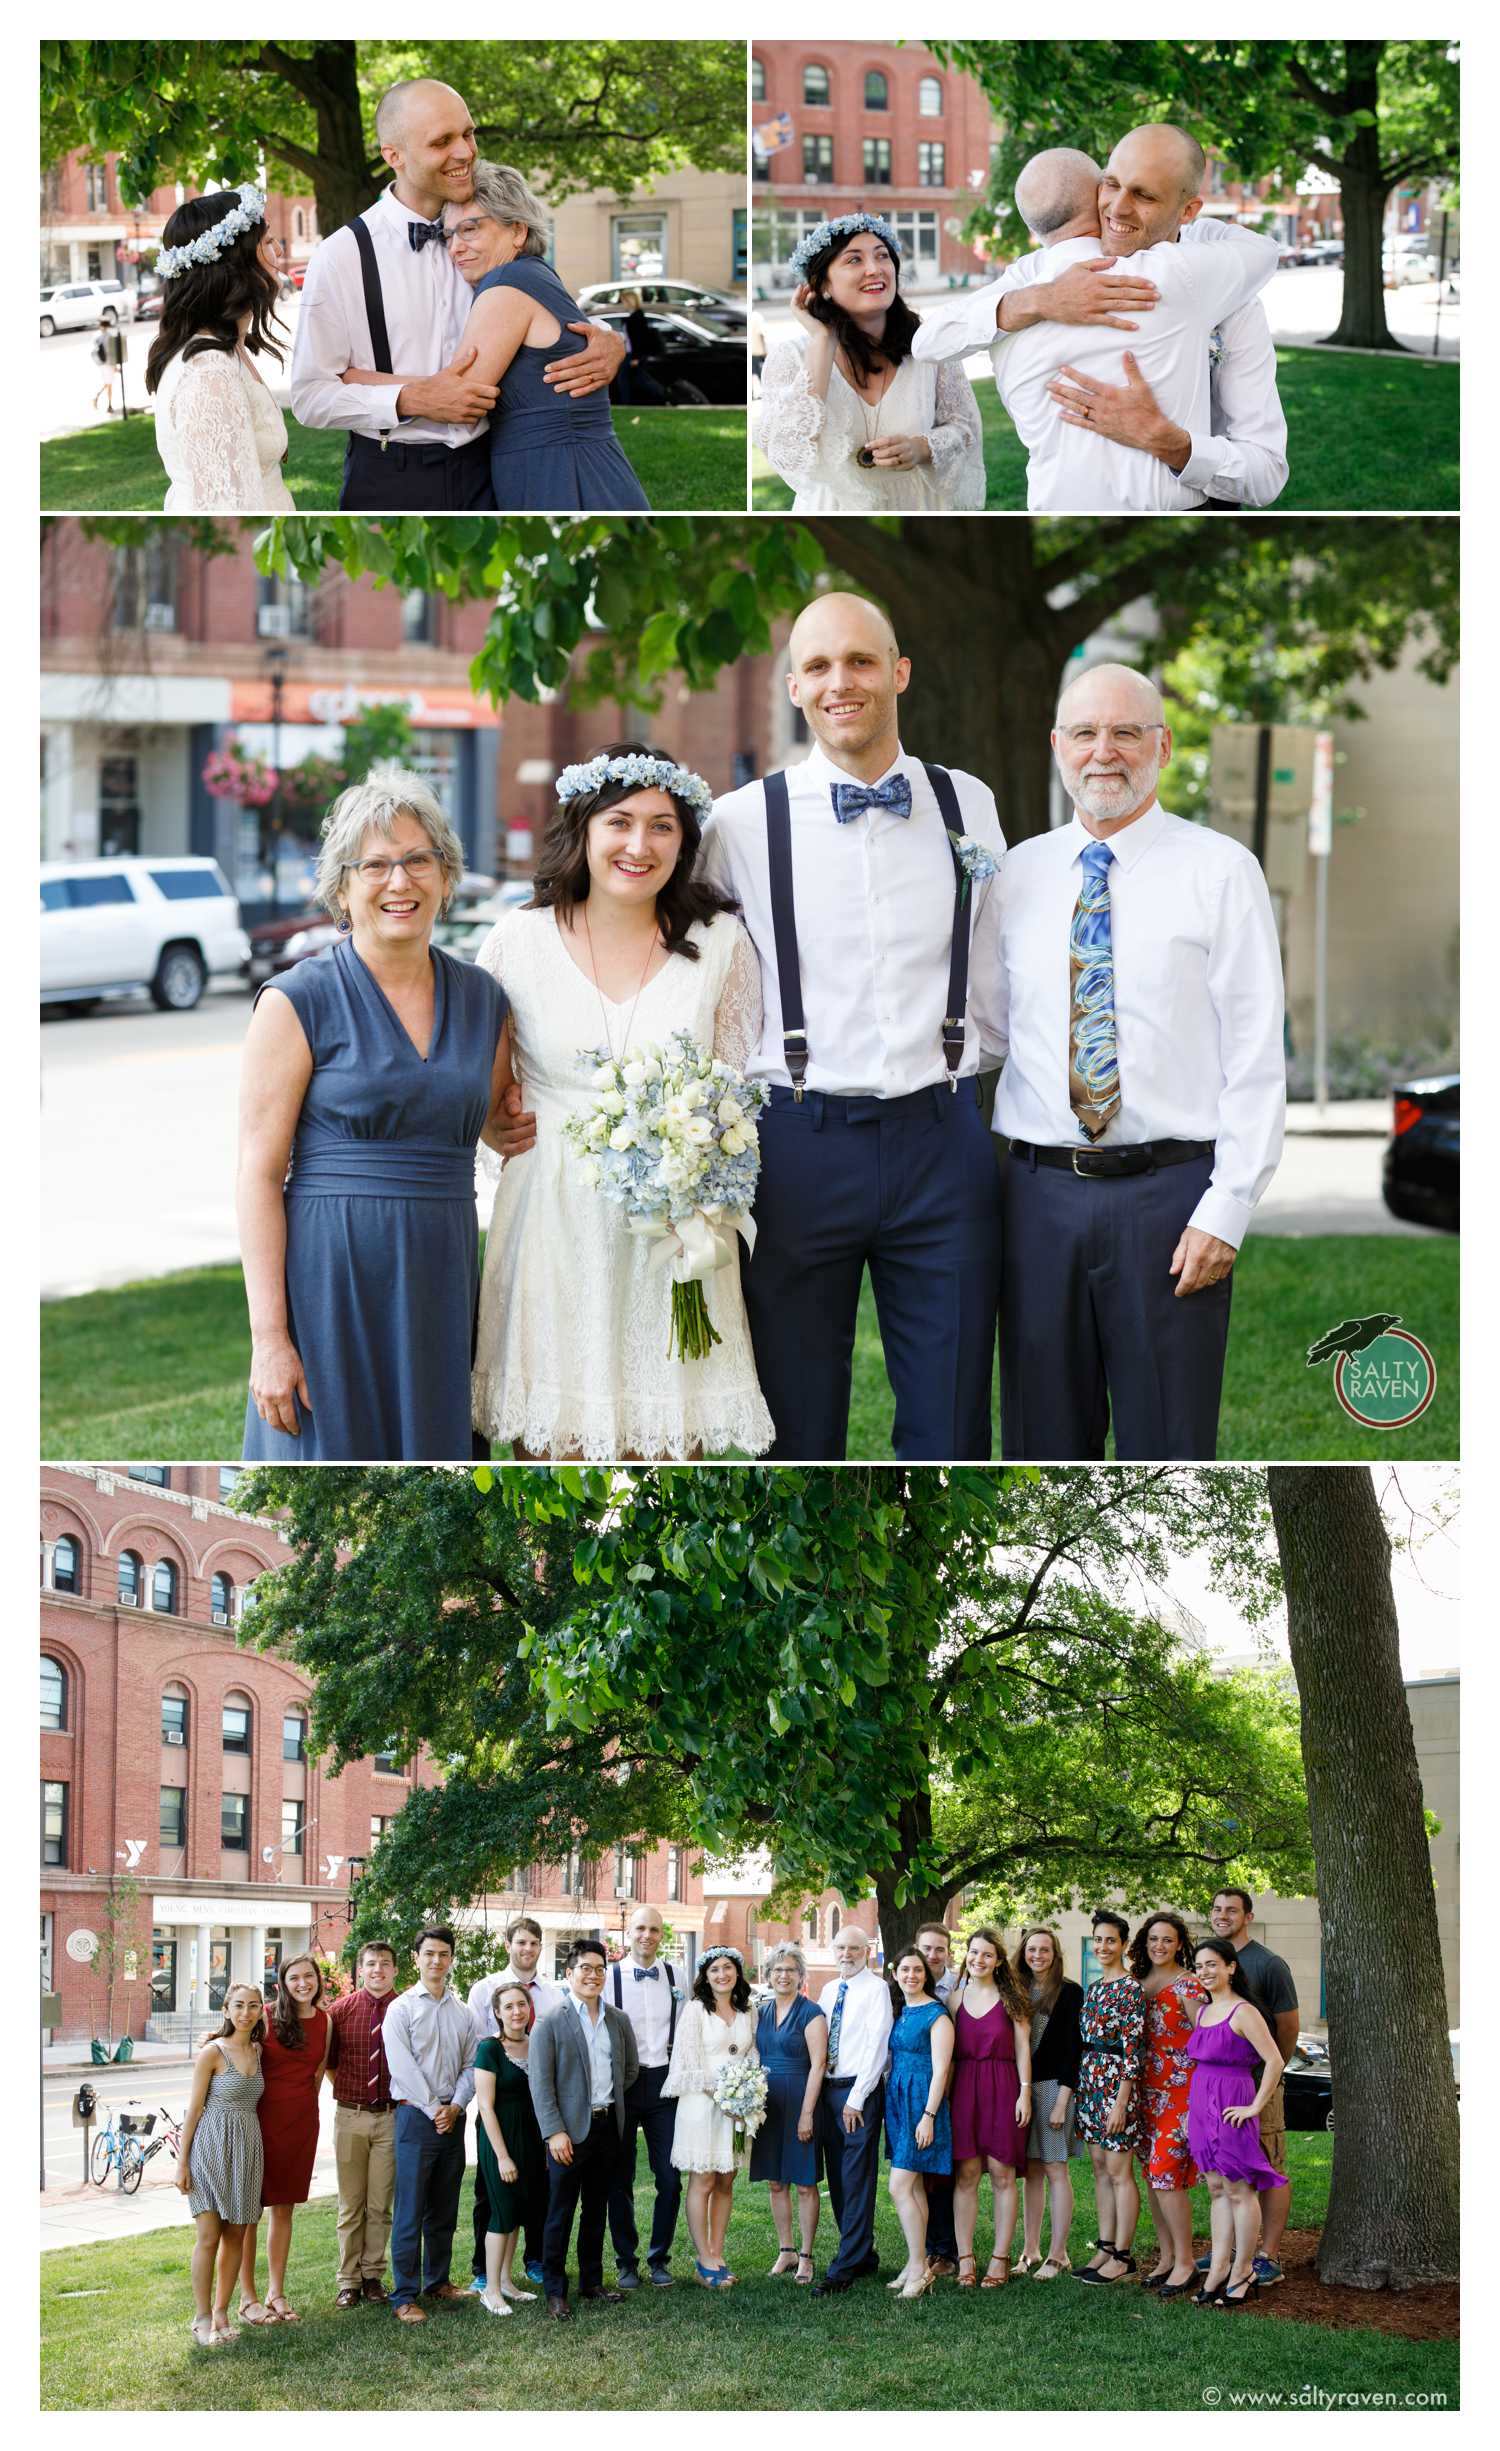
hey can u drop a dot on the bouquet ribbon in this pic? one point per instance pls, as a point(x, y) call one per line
point(698, 1246)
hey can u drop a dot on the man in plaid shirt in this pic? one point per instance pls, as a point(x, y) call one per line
point(364, 2126)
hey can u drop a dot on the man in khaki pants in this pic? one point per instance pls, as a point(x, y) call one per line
point(364, 2127)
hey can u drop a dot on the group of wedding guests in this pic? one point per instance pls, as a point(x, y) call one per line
point(1170, 2061)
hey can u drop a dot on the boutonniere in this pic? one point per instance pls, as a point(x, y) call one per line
point(975, 862)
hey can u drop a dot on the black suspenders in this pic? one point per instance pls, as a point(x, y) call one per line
point(374, 302)
point(784, 927)
point(671, 1996)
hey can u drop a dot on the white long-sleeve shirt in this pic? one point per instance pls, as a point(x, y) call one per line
point(426, 301)
point(1198, 1001)
point(864, 2032)
point(1209, 285)
point(429, 2049)
point(874, 906)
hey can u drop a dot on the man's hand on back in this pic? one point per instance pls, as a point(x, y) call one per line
point(1086, 293)
point(1125, 413)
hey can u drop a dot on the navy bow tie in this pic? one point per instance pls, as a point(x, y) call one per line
point(852, 799)
point(645, 1974)
point(419, 232)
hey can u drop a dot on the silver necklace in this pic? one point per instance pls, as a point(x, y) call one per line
point(599, 992)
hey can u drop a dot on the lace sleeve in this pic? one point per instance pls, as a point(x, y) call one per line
point(957, 441)
point(791, 416)
point(739, 1015)
point(215, 429)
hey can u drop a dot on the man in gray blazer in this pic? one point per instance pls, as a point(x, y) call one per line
point(583, 2062)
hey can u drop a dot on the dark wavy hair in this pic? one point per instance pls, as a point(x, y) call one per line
point(866, 356)
point(202, 307)
point(741, 1995)
point(1226, 1951)
point(1009, 1983)
point(286, 2018)
point(898, 1996)
point(562, 873)
point(1138, 1961)
point(258, 2032)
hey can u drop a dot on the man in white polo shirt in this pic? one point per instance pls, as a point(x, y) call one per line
point(645, 1989)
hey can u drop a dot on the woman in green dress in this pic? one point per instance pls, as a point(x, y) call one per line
point(511, 2153)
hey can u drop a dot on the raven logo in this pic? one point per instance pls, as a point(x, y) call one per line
point(1351, 1336)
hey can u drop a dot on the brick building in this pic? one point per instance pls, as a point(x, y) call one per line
point(878, 126)
point(89, 232)
point(154, 654)
point(170, 1753)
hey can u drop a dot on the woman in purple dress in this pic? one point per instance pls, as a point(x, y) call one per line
point(991, 2099)
point(1224, 2107)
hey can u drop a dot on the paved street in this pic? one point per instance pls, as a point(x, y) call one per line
point(70, 380)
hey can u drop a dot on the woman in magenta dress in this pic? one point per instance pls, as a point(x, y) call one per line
point(991, 2099)
point(293, 2057)
point(1224, 2107)
point(1161, 1959)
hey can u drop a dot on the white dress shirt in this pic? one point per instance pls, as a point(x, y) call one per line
point(427, 302)
point(1198, 1001)
point(1071, 470)
point(600, 2049)
point(864, 2033)
point(429, 2049)
point(874, 904)
point(544, 1996)
point(648, 2005)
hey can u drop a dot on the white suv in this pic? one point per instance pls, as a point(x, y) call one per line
point(74, 304)
point(112, 925)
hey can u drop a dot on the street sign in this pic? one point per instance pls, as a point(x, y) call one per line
point(1234, 769)
point(1320, 813)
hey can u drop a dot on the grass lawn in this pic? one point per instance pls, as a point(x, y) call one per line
point(686, 459)
point(1363, 434)
point(764, 2345)
point(159, 1369)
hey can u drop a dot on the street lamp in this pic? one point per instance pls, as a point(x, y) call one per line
point(356, 1875)
point(276, 662)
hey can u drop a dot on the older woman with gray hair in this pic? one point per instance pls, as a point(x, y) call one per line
point(369, 1072)
point(792, 2039)
point(548, 451)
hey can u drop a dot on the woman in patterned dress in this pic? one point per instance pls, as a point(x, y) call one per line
point(1111, 2079)
point(1161, 1958)
point(219, 2158)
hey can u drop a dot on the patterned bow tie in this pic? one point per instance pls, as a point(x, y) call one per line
point(418, 233)
point(645, 1974)
point(852, 799)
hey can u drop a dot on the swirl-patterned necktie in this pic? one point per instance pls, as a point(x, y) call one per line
point(1093, 1055)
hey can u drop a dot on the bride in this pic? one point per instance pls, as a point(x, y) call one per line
point(849, 418)
point(621, 944)
point(221, 436)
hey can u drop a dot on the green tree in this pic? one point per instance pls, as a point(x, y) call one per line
point(572, 115)
point(906, 1681)
point(1375, 115)
point(119, 1939)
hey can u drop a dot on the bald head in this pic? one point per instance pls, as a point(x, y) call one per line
point(829, 620)
point(1111, 693)
point(1056, 187)
point(424, 130)
point(846, 672)
point(1180, 157)
point(1111, 743)
point(414, 95)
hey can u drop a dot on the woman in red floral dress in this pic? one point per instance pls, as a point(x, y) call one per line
point(1161, 1957)
point(294, 2055)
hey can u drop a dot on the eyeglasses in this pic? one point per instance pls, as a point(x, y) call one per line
point(417, 868)
point(1124, 735)
point(464, 229)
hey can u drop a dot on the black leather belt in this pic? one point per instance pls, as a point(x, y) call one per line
point(1106, 1165)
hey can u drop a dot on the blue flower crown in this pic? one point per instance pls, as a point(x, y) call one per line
point(721, 1948)
point(212, 242)
point(634, 768)
point(827, 231)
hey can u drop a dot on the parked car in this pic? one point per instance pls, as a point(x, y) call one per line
point(1309, 2091)
point(74, 305)
point(148, 305)
point(713, 307)
point(693, 365)
point(1407, 258)
point(279, 944)
point(110, 926)
point(469, 922)
point(1420, 1177)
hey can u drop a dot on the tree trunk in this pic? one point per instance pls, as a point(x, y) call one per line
point(898, 1924)
point(342, 180)
point(1364, 188)
point(1393, 2207)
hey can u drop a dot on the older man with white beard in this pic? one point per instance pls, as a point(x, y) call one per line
point(1143, 1098)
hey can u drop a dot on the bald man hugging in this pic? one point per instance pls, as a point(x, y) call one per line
point(1184, 418)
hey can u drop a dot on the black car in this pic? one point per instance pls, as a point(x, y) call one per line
point(695, 367)
point(1308, 2093)
point(1420, 1176)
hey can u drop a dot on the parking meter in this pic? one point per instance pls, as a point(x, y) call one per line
point(85, 2106)
point(109, 347)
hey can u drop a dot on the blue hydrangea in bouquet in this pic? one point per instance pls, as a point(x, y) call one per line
point(670, 1138)
point(741, 2092)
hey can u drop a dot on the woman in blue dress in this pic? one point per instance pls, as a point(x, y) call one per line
point(370, 1072)
point(792, 2039)
point(918, 2128)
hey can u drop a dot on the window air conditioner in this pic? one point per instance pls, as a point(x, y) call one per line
point(161, 617)
point(173, 1736)
point(274, 621)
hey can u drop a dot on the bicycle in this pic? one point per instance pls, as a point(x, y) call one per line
point(123, 2149)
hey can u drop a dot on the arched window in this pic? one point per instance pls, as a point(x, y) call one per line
point(54, 1693)
point(236, 1723)
point(220, 1597)
point(810, 1924)
point(834, 1920)
point(174, 1715)
point(815, 89)
point(930, 98)
point(67, 1565)
point(877, 91)
point(164, 1588)
point(128, 1582)
point(757, 80)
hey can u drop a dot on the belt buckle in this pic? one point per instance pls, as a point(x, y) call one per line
point(1082, 1171)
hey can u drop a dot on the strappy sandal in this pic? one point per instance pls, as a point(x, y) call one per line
point(1210, 2297)
point(969, 2279)
point(202, 2329)
point(1091, 2272)
point(281, 2312)
point(804, 2280)
point(781, 2267)
point(253, 2310)
point(1247, 2289)
point(1024, 2264)
point(989, 2282)
point(919, 2289)
point(222, 2332)
point(1052, 2267)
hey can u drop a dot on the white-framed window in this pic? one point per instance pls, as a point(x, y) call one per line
point(638, 246)
point(930, 98)
point(778, 229)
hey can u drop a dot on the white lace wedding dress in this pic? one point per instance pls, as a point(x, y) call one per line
point(702, 2137)
point(811, 442)
point(574, 1309)
point(221, 436)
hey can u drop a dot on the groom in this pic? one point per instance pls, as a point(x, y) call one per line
point(869, 927)
point(382, 293)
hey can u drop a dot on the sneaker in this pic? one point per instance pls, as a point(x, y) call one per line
point(658, 2276)
point(1268, 2273)
point(534, 2273)
point(628, 2279)
point(478, 2285)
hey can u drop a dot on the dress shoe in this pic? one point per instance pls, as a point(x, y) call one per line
point(629, 2280)
point(828, 2289)
point(347, 2298)
point(375, 2291)
point(658, 2276)
point(863, 2271)
point(410, 2312)
point(604, 2297)
point(943, 2266)
point(561, 2309)
point(446, 2289)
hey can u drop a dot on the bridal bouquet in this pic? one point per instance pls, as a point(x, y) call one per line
point(740, 2092)
point(670, 1138)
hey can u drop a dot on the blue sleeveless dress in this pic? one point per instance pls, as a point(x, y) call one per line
point(547, 452)
point(382, 1236)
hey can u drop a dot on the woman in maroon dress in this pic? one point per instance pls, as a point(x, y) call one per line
point(293, 2058)
point(991, 2099)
